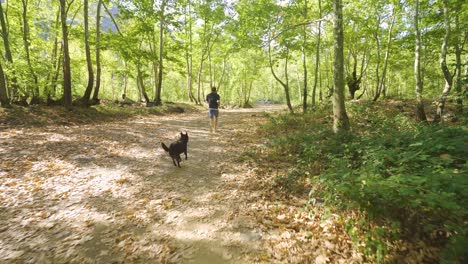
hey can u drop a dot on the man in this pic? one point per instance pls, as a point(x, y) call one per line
point(213, 108)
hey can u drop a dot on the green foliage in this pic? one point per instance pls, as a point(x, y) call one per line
point(410, 176)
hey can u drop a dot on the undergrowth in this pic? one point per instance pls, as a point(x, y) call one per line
point(41, 115)
point(407, 180)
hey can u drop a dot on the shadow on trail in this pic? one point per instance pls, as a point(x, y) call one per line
point(109, 193)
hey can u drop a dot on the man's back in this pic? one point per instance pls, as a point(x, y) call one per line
point(213, 100)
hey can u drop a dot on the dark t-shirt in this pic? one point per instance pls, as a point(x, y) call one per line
point(212, 100)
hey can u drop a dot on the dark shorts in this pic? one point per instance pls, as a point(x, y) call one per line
point(213, 113)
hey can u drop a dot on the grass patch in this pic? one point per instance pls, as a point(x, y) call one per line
point(404, 182)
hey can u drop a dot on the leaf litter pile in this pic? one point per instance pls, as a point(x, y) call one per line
point(107, 193)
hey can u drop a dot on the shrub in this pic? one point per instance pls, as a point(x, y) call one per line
point(411, 176)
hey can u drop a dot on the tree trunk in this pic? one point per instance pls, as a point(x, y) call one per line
point(211, 71)
point(304, 68)
point(125, 84)
point(286, 87)
point(4, 100)
point(420, 113)
point(286, 83)
point(377, 68)
point(157, 100)
point(200, 68)
point(381, 87)
point(304, 64)
point(222, 75)
point(190, 79)
point(89, 64)
point(458, 64)
point(317, 55)
point(353, 81)
point(155, 62)
point(27, 41)
point(95, 99)
point(299, 86)
point(67, 89)
point(58, 66)
point(141, 85)
point(205, 53)
point(249, 92)
point(198, 99)
point(9, 57)
point(188, 54)
point(53, 62)
point(443, 65)
point(155, 76)
point(340, 118)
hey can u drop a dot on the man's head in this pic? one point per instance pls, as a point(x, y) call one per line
point(213, 89)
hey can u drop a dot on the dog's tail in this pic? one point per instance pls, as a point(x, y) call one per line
point(164, 147)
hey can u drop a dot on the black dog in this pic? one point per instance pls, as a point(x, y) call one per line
point(177, 148)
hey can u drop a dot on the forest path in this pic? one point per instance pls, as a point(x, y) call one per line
point(108, 193)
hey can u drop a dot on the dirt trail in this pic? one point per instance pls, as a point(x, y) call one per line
point(109, 194)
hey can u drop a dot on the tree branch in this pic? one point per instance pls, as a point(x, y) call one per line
point(297, 25)
point(112, 18)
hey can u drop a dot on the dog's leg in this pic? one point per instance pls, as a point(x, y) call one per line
point(178, 160)
point(174, 160)
point(185, 152)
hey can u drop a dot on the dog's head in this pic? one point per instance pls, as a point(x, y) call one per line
point(184, 137)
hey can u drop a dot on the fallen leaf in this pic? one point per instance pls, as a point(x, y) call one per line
point(321, 259)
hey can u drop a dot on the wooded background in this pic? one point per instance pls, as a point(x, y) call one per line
point(164, 50)
point(394, 187)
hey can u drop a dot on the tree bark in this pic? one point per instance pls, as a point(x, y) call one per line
point(188, 53)
point(53, 61)
point(4, 100)
point(141, 85)
point(97, 87)
point(377, 67)
point(420, 113)
point(317, 55)
point(354, 82)
point(381, 84)
point(67, 89)
point(304, 64)
point(155, 63)
point(443, 65)
point(26, 40)
point(157, 100)
point(211, 71)
point(155, 77)
point(56, 75)
point(304, 68)
point(8, 55)
point(340, 118)
point(458, 65)
point(89, 64)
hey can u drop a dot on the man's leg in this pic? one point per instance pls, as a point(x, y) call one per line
point(210, 115)
point(215, 123)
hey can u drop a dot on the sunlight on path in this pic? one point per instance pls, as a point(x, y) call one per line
point(109, 194)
